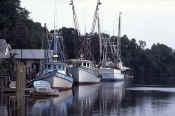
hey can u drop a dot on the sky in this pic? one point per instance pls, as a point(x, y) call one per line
point(150, 20)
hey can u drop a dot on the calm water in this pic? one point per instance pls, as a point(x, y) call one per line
point(106, 99)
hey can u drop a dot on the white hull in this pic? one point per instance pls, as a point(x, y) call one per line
point(59, 80)
point(111, 74)
point(84, 75)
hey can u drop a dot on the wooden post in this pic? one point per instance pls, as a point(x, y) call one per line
point(20, 88)
point(1, 85)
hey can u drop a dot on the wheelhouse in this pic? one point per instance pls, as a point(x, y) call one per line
point(55, 66)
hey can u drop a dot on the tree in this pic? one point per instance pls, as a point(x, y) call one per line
point(142, 44)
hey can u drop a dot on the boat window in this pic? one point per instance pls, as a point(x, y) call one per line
point(63, 67)
point(49, 66)
point(55, 67)
point(46, 66)
point(59, 67)
point(52, 66)
point(87, 64)
point(84, 64)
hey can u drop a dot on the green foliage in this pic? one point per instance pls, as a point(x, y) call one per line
point(71, 45)
point(3, 67)
point(17, 28)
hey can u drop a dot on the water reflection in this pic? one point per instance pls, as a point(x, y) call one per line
point(3, 106)
point(106, 99)
point(8, 105)
point(110, 98)
point(84, 100)
point(57, 106)
point(81, 101)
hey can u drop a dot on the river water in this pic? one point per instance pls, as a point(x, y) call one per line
point(105, 99)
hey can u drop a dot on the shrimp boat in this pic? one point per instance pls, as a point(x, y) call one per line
point(112, 70)
point(84, 72)
point(54, 70)
point(56, 74)
point(111, 73)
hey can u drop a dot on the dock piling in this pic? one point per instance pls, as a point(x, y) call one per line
point(20, 88)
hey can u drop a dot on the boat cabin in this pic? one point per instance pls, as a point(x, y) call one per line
point(86, 63)
point(55, 66)
point(80, 62)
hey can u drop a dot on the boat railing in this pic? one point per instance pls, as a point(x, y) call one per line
point(64, 76)
point(89, 70)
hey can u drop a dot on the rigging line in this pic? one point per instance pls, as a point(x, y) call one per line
point(85, 29)
point(61, 19)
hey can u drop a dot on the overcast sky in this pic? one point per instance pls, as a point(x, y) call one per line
point(149, 20)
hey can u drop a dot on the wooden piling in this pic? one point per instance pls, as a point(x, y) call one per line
point(20, 88)
point(1, 86)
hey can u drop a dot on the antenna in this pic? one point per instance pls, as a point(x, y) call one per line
point(119, 25)
point(55, 15)
point(113, 25)
point(85, 29)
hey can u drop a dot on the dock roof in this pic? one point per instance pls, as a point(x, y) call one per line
point(29, 54)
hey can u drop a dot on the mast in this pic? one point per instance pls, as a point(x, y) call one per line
point(46, 44)
point(81, 47)
point(96, 17)
point(96, 20)
point(118, 60)
point(57, 41)
point(55, 55)
point(75, 18)
point(100, 38)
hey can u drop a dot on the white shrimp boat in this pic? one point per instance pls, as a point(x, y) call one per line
point(84, 72)
point(109, 73)
point(112, 68)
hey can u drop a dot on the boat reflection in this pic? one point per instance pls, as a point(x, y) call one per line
point(84, 100)
point(57, 106)
point(3, 106)
point(110, 98)
point(8, 105)
point(98, 99)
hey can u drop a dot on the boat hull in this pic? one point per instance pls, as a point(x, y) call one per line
point(45, 93)
point(84, 75)
point(60, 81)
point(110, 74)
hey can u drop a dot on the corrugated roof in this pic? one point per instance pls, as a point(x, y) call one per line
point(29, 53)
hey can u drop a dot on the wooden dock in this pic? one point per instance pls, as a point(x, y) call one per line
point(13, 90)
